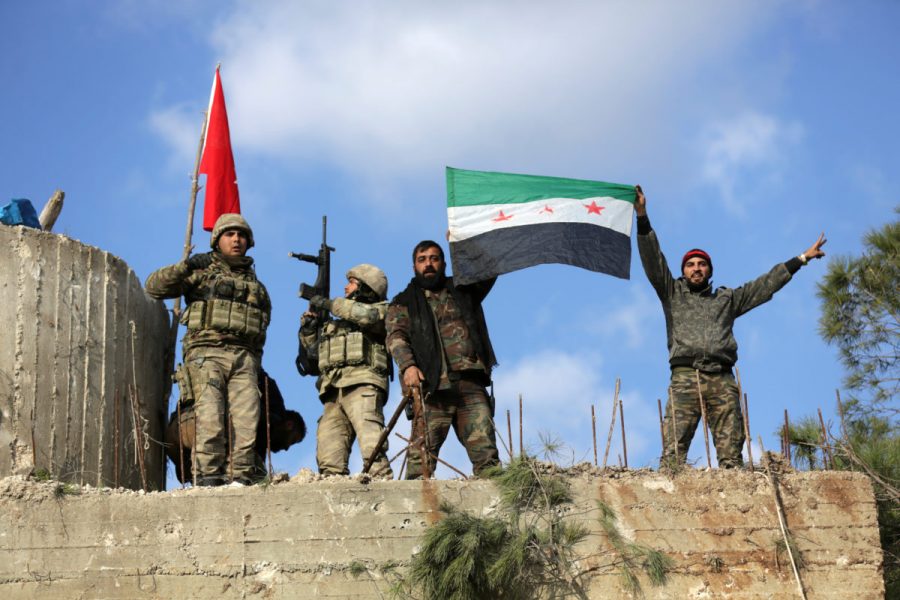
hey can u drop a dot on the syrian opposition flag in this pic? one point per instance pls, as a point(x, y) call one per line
point(502, 222)
point(217, 161)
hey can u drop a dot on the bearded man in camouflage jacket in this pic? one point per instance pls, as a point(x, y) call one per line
point(228, 311)
point(354, 368)
point(439, 339)
point(702, 348)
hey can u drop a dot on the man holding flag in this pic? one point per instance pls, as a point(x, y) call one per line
point(437, 334)
point(228, 311)
point(702, 348)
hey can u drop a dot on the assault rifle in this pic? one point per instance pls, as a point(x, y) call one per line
point(308, 360)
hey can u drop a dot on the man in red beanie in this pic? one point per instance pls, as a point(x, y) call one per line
point(702, 348)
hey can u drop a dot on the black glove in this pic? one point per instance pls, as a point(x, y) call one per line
point(200, 261)
point(320, 303)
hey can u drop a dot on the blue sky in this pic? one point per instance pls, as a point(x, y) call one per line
point(751, 126)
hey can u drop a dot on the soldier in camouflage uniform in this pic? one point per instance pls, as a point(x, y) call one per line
point(282, 429)
point(228, 311)
point(439, 338)
point(354, 367)
point(699, 323)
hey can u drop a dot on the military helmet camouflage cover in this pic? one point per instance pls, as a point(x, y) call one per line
point(230, 221)
point(372, 276)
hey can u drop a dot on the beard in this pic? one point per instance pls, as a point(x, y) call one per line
point(698, 287)
point(435, 282)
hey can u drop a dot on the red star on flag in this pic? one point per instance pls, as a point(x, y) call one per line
point(502, 217)
point(546, 209)
point(593, 207)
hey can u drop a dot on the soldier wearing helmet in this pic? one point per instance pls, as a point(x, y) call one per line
point(354, 370)
point(228, 311)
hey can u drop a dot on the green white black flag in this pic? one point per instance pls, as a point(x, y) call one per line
point(502, 222)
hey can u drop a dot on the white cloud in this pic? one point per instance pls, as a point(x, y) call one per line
point(179, 126)
point(625, 323)
point(749, 145)
point(396, 87)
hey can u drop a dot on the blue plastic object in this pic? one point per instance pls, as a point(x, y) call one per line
point(19, 212)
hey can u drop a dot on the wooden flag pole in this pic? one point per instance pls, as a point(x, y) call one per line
point(189, 229)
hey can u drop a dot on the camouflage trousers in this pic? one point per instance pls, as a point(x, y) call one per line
point(723, 412)
point(348, 413)
point(466, 408)
point(224, 382)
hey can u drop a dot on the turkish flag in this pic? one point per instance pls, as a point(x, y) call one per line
point(217, 161)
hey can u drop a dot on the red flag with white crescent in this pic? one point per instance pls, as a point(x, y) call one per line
point(217, 161)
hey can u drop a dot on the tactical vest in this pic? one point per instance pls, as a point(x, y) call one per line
point(343, 345)
point(230, 305)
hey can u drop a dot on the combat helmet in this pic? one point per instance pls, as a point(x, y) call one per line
point(373, 277)
point(230, 221)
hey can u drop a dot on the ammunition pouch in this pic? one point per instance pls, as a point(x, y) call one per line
point(233, 306)
point(182, 377)
point(340, 347)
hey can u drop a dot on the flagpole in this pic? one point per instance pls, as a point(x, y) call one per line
point(195, 187)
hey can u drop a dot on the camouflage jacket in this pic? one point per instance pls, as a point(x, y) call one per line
point(346, 359)
point(458, 321)
point(699, 324)
point(226, 305)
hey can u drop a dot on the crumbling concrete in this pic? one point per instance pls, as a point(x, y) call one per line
point(341, 538)
point(79, 333)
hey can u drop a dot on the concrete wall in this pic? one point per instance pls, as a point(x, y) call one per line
point(338, 539)
point(70, 315)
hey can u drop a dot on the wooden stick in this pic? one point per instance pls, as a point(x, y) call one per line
point(674, 426)
point(840, 406)
point(622, 425)
point(787, 437)
point(181, 444)
point(268, 425)
point(419, 400)
point(143, 440)
point(402, 470)
point(51, 210)
point(705, 423)
point(662, 437)
point(392, 459)
point(612, 423)
point(594, 432)
point(138, 436)
point(509, 433)
point(116, 441)
point(437, 458)
point(195, 461)
point(386, 432)
point(745, 413)
point(189, 228)
point(229, 431)
point(827, 457)
point(782, 522)
point(521, 442)
point(500, 437)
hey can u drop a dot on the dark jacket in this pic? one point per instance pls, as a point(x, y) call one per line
point(699, 323)
point(415, 332)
